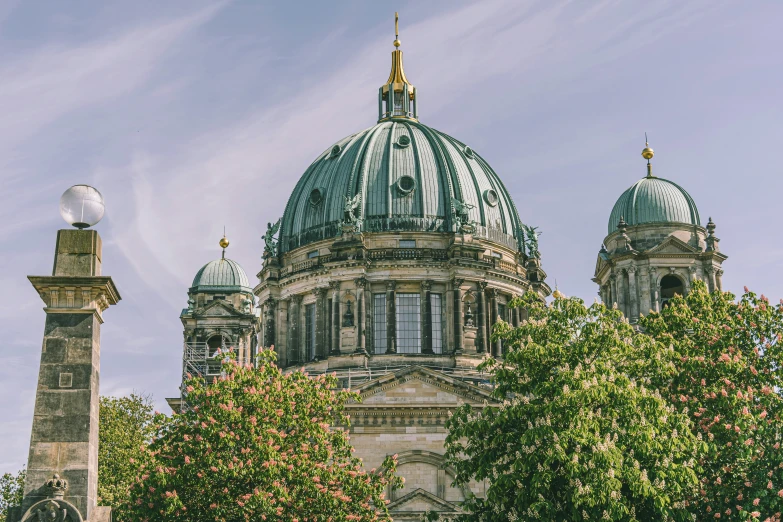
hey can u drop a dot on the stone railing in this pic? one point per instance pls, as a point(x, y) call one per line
point(499, 264)
point(496, 235)
point(408, 253)
point(308, 264)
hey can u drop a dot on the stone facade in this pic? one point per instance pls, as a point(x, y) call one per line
point(341, 311)
point(640, 267)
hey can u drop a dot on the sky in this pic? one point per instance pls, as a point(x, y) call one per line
point(190, 116)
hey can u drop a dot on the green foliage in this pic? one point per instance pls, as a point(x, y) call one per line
point(11, 491)
point(126, 425)
point(582, 434)
point(258, 445)
point(729, 370)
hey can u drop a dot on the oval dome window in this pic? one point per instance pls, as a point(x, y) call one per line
point(406, 184)
point(403, 141)
point(316, 197)
point(468, 151)
point(491, 197)
point(336, 150)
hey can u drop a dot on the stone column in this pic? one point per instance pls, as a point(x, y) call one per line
point(652, 274)
point(321, 332)
point(335, 318)
point(282, 331)
point(294, 343)
point(710, 278)
point(621, 292)
point(613, 293)
point(692, 276)
point(633, 295)
point(481, 341)
point(719, 280)
point(64, 438)
point(497, 349)
point(515, 317)
point(269, 323)
point(456, 284)
point(361, 317)
point(369, 342)
point(426, 345)
point(391, 318)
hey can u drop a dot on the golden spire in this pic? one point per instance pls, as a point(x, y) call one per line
point(397, 30)
point(397, 74)
point(648, 153)
point(224, 243)
point(397, 97)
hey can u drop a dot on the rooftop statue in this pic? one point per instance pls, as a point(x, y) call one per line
point(531, 240)
point(270, 243)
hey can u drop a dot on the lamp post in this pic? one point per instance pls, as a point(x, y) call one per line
point(62, 467)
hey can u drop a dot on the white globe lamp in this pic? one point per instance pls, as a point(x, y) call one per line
point(81, 206)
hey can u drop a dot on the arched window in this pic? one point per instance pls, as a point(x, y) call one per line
point(670, 285)
point(214, 343)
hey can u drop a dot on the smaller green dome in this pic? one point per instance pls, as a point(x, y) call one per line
point(654, 200)
point(221, 275)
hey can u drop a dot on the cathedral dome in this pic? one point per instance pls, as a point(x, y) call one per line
point(406, 176)
point(221, 275)
point(654, 200)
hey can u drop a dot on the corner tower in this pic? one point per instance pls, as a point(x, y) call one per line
point(221, 316)
point(656, 247)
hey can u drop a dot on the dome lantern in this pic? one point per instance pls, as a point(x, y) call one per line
point(397, 97)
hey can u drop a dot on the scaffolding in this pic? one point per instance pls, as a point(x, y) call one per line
point(197, 361)
point(351, 378)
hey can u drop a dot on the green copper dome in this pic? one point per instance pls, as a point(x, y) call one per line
point(407, 177)
point(654, 200)
point(221, 275)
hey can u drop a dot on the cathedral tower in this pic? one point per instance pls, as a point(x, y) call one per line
point(220, 316)
point(656, 247)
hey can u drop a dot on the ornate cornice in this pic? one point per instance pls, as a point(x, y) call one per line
point(67, 294)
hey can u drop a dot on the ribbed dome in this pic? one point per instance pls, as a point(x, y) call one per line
point(406, 175)
point(654, 200)
point(221, 275)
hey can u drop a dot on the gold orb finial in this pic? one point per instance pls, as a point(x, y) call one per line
point(224, 242)
point(647, 152)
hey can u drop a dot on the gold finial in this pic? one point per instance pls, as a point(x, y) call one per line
point(224, 242)
point(648, 153)
point(557, 294)
point(397, 42)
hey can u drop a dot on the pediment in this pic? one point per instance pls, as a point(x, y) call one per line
point(218, 308)
point(421, 501)
point(600, 263)
point(673, 245)
point(418, 386)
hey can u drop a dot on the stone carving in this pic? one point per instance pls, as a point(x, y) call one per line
point(191, 304)
point(622, 226)
point(712, 241)
point(461, 217)
point(247, 305)
point(270, 242)
point(469, 316)
point(351, 222)
point(531, 240)
point(53, 509)
point(348, 315)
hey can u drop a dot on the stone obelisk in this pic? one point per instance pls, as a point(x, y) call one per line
point(64, 440)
